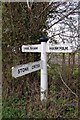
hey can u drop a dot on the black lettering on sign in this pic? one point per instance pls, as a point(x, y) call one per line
point(33, 48)
point(19, 71)
point(51, 48)
point(63, 48)
point(66, 48)
point(36, 66)
point(23, 70)
point(56, 48)
point(26, 48)
point(60, 48)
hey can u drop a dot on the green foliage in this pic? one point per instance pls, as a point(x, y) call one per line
point(16, 108)
point(75, 73)
point(53, 71)
point(13, 108)
point(13, 113)
point(58, 103)
point(71, 112)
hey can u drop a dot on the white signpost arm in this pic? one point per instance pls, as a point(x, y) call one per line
point(24, 69)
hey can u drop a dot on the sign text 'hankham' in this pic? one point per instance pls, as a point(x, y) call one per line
point(58, 48)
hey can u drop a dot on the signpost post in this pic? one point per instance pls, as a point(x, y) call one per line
point(44, 80)
point(21, 70)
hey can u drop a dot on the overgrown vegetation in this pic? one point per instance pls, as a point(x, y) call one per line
point(21, 96)
point(60, 102)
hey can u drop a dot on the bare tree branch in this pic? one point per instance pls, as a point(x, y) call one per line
point(65, 16)
point(64, 82)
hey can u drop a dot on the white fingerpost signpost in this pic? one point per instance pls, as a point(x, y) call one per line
point(43, 48)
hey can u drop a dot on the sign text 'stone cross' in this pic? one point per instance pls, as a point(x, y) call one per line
point(21, 70)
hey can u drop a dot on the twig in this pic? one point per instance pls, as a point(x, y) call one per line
point(67, 85)
point(64, 82)
point(65, 16)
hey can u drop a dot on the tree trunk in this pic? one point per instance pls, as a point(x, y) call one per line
point(69, 69)
point(63, 61)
